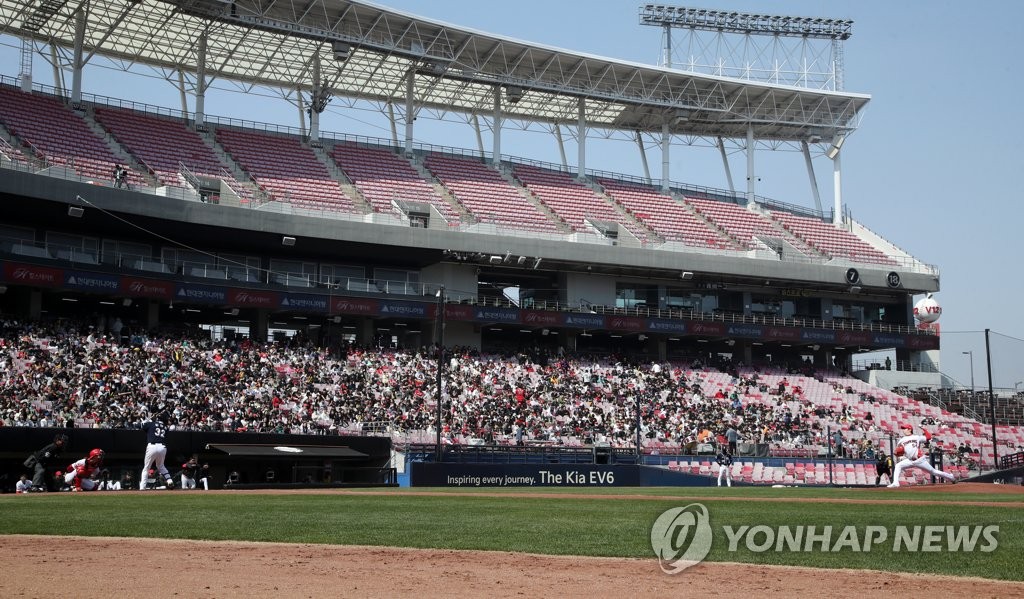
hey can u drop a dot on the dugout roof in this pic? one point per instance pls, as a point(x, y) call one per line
point(455, 69)
point(287, 451)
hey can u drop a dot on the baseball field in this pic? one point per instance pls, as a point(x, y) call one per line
point(962, 540)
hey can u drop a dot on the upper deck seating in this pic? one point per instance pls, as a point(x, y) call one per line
point(742, 224)
point(162, 143)
point(830, 240)
point(486, 195)
point(285, 168)
point(665, 216)
point(382, 176)
point(570, 200)
point(61, 136)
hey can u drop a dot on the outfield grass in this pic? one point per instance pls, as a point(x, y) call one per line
point(573, 526)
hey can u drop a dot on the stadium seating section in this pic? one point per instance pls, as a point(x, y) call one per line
point(569, 402)
point(58, 135)
point(570, 200)
point(161, 143)
point(383, 177)
point(830, 240)
point(487, 195)
point(667, 217)
point(286, 169)
point(527, 197)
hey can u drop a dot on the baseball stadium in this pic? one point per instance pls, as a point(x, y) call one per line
point(255, 357)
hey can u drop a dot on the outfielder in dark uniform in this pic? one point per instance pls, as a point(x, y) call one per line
point(43, 462)
point(724, 460)
point(883, 467)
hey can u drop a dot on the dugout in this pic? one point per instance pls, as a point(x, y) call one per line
point(366, 460)
point(275, 465)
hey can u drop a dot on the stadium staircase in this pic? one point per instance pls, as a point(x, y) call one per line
point(11, 153)
point(569, 200)
point(287, 169)
point(248, 191)
point(747, 227)
point(489, 197)
point(669, 218)
point(830, 239)
point(508, 174)
point(417, 163)
point(389, 182)
point(58, 136)
point(322, 154)
point(135, 163)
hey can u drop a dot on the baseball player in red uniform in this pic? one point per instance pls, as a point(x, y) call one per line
point(912, 454)
point(80, 474)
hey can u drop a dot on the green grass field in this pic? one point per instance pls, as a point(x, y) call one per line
point(580, 525)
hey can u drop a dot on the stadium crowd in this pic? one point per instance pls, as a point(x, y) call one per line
point(67, 373)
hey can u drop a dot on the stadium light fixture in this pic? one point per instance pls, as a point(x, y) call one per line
point(288, 241)
point(75, 211)
point(837, 145)
point(661, 15)
point(686, 275)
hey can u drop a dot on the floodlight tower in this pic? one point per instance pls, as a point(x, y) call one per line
point(780, 50)
point(799, 51)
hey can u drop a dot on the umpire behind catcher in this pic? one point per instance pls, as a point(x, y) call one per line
point(42, 463)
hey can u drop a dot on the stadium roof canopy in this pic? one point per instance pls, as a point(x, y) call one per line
point(367, 51)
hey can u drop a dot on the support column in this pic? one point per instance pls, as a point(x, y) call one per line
point(58, 75)
point(479, 135)
point(258, 327)
point(201, 80)
point(151, 311)
point(665, 137)
point(751, 188)
point(643, 156)
point(365, 332)
point(182, 93)
point(316, 104)
point(299, 102)
point(35, 304)
point(76, 66)
point(394, 124)
point(661, 349)
point(410, 113)
point(810, 174)
point(496, 150)
point(837, 189)
point(561, 144)
point(581, 114)
point(725, 164)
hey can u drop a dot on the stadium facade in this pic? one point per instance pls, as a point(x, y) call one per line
point(240, 227)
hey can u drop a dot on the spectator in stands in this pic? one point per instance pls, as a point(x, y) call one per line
point(732, 436)
point(120, 176)
point(296, 387)
point(838, 446)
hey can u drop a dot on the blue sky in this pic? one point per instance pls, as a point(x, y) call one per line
point(930, 169)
